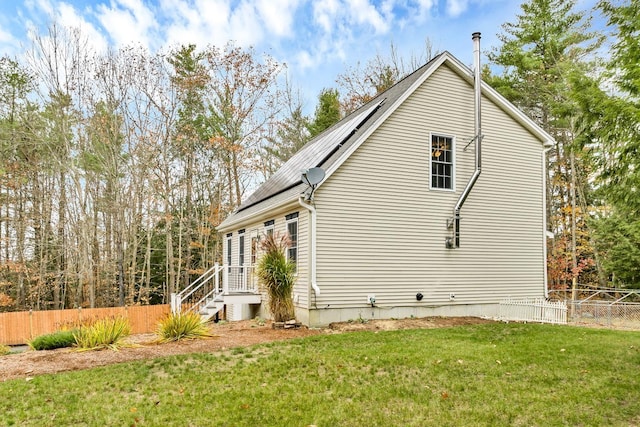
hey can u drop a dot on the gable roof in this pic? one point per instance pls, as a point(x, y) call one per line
point(333, 146)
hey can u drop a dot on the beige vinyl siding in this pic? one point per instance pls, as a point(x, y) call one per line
point(382, 231)
point(301, 289)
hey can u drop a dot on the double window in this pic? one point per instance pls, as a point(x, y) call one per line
point(441, 162)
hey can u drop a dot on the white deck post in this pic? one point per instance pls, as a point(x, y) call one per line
point(176, 303)
point(225, 279)
point(216, 279)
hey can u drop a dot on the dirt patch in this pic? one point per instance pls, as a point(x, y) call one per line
point(226, 336)
point(409, 323)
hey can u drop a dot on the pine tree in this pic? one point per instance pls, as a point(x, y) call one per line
point(327, 112)
point(541, 53)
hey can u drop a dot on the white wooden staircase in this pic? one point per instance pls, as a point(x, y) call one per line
point(219, 286)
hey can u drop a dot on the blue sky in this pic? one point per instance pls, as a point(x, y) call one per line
point(318, 39)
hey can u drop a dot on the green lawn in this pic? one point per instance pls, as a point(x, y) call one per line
point(482, 375)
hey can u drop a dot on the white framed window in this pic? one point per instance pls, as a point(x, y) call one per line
point(442, 162)
point(255, 241)
point(241, 248)
point(268, 227)
point(241, 278)
point(229, 236)
point(292, 231)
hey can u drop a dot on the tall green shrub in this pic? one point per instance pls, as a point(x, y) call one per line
point(277, 275)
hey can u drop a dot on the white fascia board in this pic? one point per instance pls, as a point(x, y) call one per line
point(224, 227)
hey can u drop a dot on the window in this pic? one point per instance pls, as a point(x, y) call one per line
point(268, 227)
point(441, 162)
point(241, 276)
point(241, 247)
point(254, 247)
point(229, 249)
point(292, 230)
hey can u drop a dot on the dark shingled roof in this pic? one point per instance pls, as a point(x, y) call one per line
point(313, 154)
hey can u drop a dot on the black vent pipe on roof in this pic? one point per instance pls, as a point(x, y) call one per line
point(453, 242)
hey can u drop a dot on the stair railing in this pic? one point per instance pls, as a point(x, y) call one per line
point(205, 287)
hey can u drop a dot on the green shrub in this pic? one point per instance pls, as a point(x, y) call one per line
point(103, 333)
point(4, 349)
point(277, 275)
point(59, 339)
point(181, 326)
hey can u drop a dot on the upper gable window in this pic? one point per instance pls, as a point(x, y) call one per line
point(441, 162)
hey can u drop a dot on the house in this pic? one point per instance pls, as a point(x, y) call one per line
point(400, 214)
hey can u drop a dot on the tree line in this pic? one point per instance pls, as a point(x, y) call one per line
point(116, 167)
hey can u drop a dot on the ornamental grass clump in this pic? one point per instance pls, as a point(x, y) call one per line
point(4, 349)
point(181, 326)
point(59, 339)
point(103, 333)
point(277, 275)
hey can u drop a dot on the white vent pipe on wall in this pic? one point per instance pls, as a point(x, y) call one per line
point(454, 241)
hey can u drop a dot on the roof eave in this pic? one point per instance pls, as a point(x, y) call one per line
point(233, 222)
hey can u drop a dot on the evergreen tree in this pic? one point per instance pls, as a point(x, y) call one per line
point(541, 54)
point(615, 120)
point(327, 112)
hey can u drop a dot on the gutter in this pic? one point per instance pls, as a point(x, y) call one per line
point(454, 242)
point(312, 243)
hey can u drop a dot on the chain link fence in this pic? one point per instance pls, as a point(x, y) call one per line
point(604, 307)
point(619, 315)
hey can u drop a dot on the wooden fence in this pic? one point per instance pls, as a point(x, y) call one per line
point(19, 327)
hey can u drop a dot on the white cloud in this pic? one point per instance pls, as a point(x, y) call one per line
point(216, 22)
point(69, 17)
point(45, 12)
point(304, 60)
point(245, 27)
point(40, 6)
point(365, 13)
point(456, 7)
point(128, 22)
point(277, 15)
point(424, 8)
point(6, 37)
point(201, 23)
point(325, 13)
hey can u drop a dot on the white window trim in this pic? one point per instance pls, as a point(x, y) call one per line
point(228, 256)
point(242, 243)
point(289, 221)
point(254, 235)
point(453, 162)
point(269, 227)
